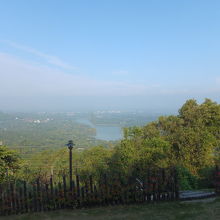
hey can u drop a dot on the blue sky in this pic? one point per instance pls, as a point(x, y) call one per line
point(108, 54)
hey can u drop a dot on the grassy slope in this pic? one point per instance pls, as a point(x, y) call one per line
point(206, 209)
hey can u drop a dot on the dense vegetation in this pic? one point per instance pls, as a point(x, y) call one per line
point(9, 163)
point(36, 132)
point(188, 141)
point(30, 133)
point(42, 130)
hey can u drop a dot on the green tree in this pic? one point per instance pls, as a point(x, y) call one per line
point(9, 163)
point(94, 161)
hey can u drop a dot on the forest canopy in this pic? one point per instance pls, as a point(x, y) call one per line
point(9, 162)
point(189, 141)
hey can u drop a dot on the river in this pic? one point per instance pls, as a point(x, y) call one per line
point(103, 132)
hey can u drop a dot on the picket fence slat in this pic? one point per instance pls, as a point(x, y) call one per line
point(22, 197)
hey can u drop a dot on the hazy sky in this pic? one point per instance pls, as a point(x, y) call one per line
point(108, 54)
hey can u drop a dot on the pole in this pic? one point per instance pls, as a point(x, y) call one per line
point(70, 169)
point(70, 147)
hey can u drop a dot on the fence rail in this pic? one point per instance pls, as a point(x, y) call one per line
point(18, 196)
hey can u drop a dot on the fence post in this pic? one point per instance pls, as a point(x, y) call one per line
point(12, 198)
point(48, 201)
point(217, 180)
point(82, 196)
point(91, 189)
point(4, 202)
point(87, 197)
point(30, 201)
point(78, 190)
point(25, 196)
point(106, 193)
point(35, 198)
point(1, 200)
point(57, 201)
point(149, 185)
point(163, 184)
point(154, 189)
point(60, 195)
point(39, 199)
point(65, 191)
point(21, 201)
point(52, 193)
point(17, 200)
point(176, 183)
point(8, 202)
point(73, 196)
point(95, 195)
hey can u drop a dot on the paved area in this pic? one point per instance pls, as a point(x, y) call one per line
point(191, 195)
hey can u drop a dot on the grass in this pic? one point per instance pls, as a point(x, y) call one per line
point(196, 210)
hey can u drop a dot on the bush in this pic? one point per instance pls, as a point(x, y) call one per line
point(187, 181)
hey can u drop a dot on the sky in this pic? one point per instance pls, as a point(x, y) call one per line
point(74, 55)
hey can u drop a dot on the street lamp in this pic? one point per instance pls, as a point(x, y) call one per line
point(70, 147)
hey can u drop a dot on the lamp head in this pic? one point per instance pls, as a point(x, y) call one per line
point(70, 144)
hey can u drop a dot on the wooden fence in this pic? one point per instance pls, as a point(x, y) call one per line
point(18, 196)
point(217, 180)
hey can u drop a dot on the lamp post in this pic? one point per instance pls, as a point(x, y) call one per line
point(70, 147)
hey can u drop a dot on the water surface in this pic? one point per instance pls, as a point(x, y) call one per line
point(104, 132)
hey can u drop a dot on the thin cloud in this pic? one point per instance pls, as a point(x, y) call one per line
point(50, 59)
point(29, 86)
point(22, 78)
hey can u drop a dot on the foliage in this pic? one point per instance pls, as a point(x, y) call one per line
point(134, 156)
point(9, 163)
point(189, 141)
point(94, 161)
point(187, 181)
point(32, 133)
